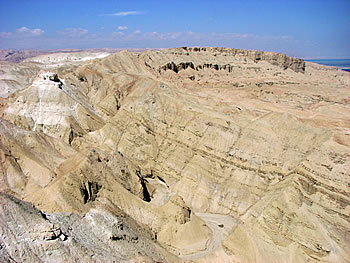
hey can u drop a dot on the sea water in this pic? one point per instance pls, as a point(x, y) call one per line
point(343, 64)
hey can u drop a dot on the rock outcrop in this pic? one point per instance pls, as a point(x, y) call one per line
point(281, 60)
point(104, 234)
point(212, 154)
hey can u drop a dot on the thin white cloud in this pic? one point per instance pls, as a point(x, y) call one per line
point(31, 32)
point(74, 32)
point(122, 27)
point(124, 13)
point(118, 34)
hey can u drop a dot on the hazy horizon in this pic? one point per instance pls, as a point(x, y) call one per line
point(307, 29)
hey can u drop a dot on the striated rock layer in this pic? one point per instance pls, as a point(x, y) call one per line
point(198, 154)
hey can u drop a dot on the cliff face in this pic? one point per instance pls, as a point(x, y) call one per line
point(281, 60)
point(216, 154)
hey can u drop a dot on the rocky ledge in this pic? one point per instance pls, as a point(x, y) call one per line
point(281, 60)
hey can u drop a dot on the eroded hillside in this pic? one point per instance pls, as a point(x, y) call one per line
point(202, 154)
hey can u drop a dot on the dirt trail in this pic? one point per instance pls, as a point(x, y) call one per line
point(220, 225)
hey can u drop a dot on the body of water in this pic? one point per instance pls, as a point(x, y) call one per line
point(343, 64)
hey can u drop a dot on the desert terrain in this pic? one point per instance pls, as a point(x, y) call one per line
point(198, 154)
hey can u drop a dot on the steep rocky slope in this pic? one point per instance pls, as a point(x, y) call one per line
point(103, 234)
point(211, 154)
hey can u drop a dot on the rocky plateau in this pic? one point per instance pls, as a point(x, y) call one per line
point(197, 154)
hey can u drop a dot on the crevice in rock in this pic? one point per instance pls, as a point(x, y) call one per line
point(117, 100)
point(145, 193)
point(84, 193)
point(89, 191)
point(55, 78)
point(82, 78)
point(161, 179)
point(43, 215)
point(71, 137)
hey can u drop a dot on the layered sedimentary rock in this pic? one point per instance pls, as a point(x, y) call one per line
point(281, 60)
point(217, 154)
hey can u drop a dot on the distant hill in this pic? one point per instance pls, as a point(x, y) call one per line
point(20, 55)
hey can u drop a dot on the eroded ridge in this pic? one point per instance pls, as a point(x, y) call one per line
point(206, 154)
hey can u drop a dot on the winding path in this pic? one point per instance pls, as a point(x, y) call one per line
point(220, 225)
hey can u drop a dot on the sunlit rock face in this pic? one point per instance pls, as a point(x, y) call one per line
point(202, 154)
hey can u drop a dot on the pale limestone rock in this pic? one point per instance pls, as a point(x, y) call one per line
point(223, 155)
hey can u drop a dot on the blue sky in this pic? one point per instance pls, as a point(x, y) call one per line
point(302, 28)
